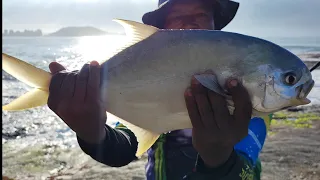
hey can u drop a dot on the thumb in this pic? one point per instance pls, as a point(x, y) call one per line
point(238, 92)
point(56, 67)
point(242, 104)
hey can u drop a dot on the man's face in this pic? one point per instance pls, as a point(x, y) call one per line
point(189, 14)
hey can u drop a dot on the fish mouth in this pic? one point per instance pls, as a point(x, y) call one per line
point(304, 90)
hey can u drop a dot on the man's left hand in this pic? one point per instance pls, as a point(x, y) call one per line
point(215, 131)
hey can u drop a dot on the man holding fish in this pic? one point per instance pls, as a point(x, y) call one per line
point(238, 79)
point(175, 154)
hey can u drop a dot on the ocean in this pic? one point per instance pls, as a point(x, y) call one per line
point(73, 53)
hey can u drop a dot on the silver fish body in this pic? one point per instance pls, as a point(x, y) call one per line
point(144, 84)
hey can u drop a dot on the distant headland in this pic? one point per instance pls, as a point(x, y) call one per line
point(78, 31)
point(27, 33)
point(63, 32)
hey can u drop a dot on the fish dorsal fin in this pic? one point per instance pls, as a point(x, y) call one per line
point(135, 32)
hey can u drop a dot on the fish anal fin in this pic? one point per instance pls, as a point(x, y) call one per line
point(144, 137)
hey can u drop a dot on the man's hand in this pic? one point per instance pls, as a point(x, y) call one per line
point(215, 131)
point(75, 98)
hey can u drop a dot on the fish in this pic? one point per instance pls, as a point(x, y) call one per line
point(143, 82)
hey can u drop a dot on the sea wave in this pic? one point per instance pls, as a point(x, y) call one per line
point(310, 56)
point(8, 77)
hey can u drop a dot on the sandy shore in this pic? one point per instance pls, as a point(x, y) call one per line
point(291, 151)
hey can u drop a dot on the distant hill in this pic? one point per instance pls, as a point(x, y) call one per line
point(78, 31)
point(25, 33)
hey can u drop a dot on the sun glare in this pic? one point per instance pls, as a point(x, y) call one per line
point(96, 48)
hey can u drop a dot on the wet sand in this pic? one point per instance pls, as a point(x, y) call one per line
point(293, 152)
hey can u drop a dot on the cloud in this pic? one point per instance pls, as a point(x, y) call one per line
point(255, 17)
point(72, 13)
point(281, 17)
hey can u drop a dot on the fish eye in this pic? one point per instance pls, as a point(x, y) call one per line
point(290, 79)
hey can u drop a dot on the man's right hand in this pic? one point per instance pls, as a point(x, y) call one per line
point(75, 98)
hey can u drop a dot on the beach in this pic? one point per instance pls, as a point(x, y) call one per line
point(37, 144)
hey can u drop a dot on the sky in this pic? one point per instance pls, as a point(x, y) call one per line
point(266, 18)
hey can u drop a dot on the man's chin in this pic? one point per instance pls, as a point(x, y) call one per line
point(191, 27)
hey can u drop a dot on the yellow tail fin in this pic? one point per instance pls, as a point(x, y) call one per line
point(32, 76)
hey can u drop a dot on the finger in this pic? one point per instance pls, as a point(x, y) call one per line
point(54, 90)
point(68, 86)
point(242, 103)
point(220, 109)
point(56, 67)
point(192, 109)
point(93, 85)
point(81, 84)
point(204, 106)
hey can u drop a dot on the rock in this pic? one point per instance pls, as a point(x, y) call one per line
point(281, 159)
point(54, 171)
point(6, 178)
point(295, 109)
point(18, 132)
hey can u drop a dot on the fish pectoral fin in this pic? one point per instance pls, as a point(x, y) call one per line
point(31, 99)
point(210, 81)
point(144, 137)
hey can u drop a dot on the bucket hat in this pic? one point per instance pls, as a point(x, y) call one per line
point(223, 13)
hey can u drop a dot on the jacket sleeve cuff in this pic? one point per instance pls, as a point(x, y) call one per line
point(234, 168)
point(117, 149)
point(218, 171)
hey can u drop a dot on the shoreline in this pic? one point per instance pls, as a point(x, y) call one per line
point(289, 152)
